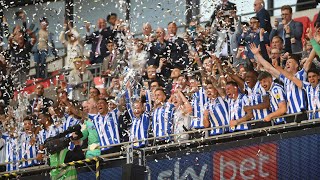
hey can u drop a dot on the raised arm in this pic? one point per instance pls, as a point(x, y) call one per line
point(128, 104)
point(291, 77)
point(235, 77)
point(308, 63)
point(267, 66)
point(187, 108)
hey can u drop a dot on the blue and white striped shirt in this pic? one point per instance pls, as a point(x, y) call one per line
point(140, 126)
point(28, 151)
point(199, 99)
point(12, 153)
point(295, 95)
point(255, 97)
point(69, 122)
point(162, 121)
point(277, 95)
point(51, 132)
point(313, 96)
point(236, 111)
point(218, 114)
point(108, 128)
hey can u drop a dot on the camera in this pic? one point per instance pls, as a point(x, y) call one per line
point(59, 142)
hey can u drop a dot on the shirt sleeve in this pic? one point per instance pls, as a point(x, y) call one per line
point(282, 78)
point(305, 85)
point(302, 75)
point(279, 94)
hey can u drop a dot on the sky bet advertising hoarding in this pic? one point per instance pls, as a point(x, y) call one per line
point(292, 158)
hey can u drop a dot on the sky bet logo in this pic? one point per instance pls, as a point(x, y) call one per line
point(253, 162)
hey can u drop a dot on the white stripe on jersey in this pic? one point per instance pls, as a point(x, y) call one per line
point(107, 127)
point(27, 151)
point(199, 99)
point(12, 153)
point(218, 114)
point(295, 95)
point(163, 120)
point(140, 126)
point(236, 111)
point(313, 97)
point(255, 97)
point(277, 95)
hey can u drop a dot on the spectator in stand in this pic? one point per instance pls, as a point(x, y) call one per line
point(6, 86)
point(262, 15)
point(179, 49)
point(306, 49)
point(138, 57)
point(99, 40)
point(114, 87)
point(278, 101)
point(159, 53)
point(224, 6)
point(175, 73)
point(289, 28)
point(237, 101)
point(19, 49)
point(295, 95)
point(103, 93)
point(73, 43)
point(40, 51)
point(39, 104)
point(147, 33)
point(255, 35)
point(111, 61)
point(79, 80)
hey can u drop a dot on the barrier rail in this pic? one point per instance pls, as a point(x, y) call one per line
point(186, 142)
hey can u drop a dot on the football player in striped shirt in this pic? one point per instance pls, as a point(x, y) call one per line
point(277, 96)
point(216, 113)
point(12, 150)
point(48, 130)
point(162, 117)
point(312, 88)
point(107, 126)
point(237, 101)
point(28, 143)
point(70, 120)
point(140, 119)
point(295, 95)
point(259, 101)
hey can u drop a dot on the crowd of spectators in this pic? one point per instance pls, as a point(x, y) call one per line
point(226, 72)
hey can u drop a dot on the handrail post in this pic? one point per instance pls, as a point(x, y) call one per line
point(129, 154)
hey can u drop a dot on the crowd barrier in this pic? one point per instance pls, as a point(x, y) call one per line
point(139, 156)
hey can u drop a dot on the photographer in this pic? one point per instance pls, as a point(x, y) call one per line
point(59, 154)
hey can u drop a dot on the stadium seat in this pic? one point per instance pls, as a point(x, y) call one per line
point(306, 23)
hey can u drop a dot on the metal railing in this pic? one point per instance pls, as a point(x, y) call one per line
point(223, 136)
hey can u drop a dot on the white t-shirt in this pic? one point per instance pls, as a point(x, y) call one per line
point(179, 121)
